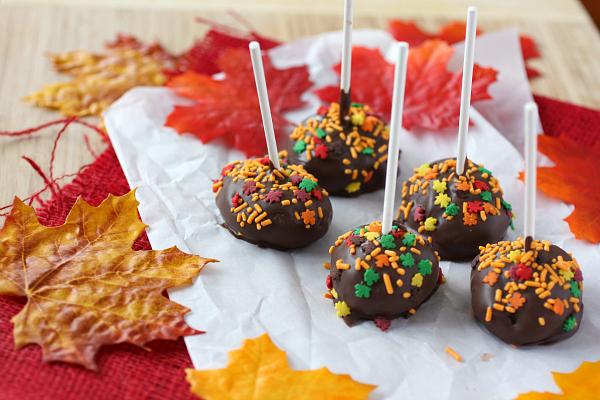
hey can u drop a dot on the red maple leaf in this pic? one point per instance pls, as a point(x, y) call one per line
point(481, 185)
point(432, 97)
point(575, 180)
point(382, 323)
point(228, 108)
point(474, 206)
point(521, 272)
point(302, 195)
point(203, 56)
point(454, 32)
point(409, 31)
point(321, 151)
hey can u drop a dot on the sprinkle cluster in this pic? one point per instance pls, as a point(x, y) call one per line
point(388, 259)
point(323, 137)
point(523, 274)
point(481, 192)
point(290, 186)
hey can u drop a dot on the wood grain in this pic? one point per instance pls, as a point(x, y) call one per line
point(569, 44)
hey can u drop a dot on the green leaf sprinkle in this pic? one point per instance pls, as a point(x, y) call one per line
point(308, 185)
point(299, 146)
point(506, 205)
point(425, 267)
point(570, 324)
point(486, 196)
point(407, 260)
point(485, 171)
point(371, 276)
point(409, 239)
point(362, 291)
point(575, 290)
point(387, 242)
point(452, 209)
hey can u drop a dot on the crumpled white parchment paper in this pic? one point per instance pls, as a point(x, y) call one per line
point(253, 290)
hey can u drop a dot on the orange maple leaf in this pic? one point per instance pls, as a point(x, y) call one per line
point(382, 260)
point(470, 219)
point(491, 278)
point(581, 384)
point(85, 286)
point(259, 370)
point(575, 180)
point(559, 306)
point(308, 217)
point(517, 300)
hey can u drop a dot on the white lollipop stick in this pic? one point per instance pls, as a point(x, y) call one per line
point(346, 47)
point(531, 116)
point(263, 101)
point(395, 127)
point(465, 94)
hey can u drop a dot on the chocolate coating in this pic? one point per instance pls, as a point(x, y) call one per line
point(399, 281)
point(458, 214)
point(348, 161)
point(282, 214)
point(527, 317)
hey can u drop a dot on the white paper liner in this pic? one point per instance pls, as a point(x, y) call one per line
point(253, 290)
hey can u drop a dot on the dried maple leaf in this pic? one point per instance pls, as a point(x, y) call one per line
point(259, 370)
point(85, 286)
point(581, 384)
point(228, 108)
point(454, 32)
point(99, 79)
point(432, 96)
point(574, 179)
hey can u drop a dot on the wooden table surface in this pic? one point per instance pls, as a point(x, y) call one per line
point(568, 40)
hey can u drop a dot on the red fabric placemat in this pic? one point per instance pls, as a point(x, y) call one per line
point(128, 372)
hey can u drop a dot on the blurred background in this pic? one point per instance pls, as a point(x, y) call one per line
point(564, 30)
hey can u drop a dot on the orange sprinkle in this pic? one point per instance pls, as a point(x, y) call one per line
point(388, 284)
point(453, 353)
point(488, 314)
point(357, 264)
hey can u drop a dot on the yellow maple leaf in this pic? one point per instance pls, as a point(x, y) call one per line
point(581, 384)
point(85, 286)
point(100, 79)
point(259, 370)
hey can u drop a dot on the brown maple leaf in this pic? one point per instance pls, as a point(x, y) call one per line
point(85, 286)
point(98, 79)
point(259, 370)
point(575, 180)
point(581, 384)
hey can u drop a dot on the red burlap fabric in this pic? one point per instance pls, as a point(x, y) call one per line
point(127, 372)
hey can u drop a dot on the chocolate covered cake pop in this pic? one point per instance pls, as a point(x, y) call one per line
point(280, 208)
point(380, 277)
point(527, 296)
point(348, 161)
point(459, 213)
